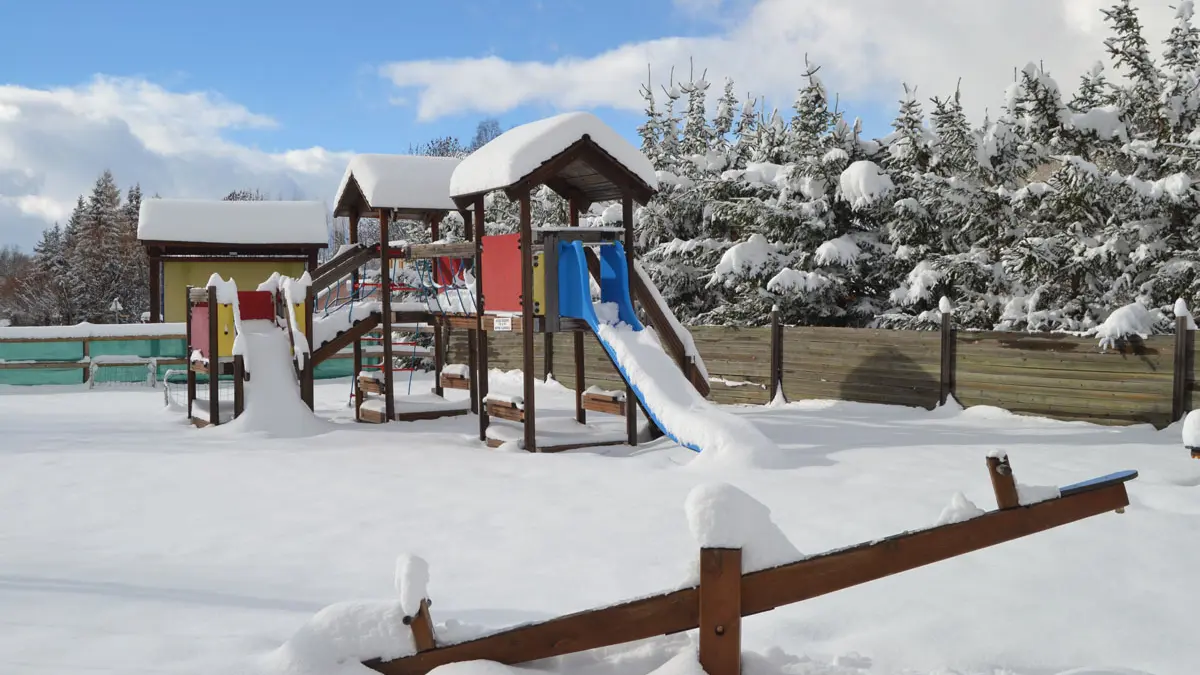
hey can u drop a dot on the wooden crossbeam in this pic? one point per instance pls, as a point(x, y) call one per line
point(340, 342)
point(764, 590)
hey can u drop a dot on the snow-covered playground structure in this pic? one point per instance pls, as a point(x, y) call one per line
point(544, 280)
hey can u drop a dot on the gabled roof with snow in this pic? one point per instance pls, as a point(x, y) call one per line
point(233, 222)
point(400, 182)
point(513, 156)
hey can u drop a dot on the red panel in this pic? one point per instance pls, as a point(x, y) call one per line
point(502, 272)
point(200, 329)
point(256, 305)
point(446, 270)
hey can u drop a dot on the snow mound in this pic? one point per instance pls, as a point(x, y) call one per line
point(720, 515)
point(1191, 430)
point(479, 668)
point(338, 638)
point(273, 404)
point(1132, 319)
point(412, 582)
point(863, 182)
point(958, 510)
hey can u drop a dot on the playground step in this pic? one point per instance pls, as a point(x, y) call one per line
point(455, 381)
point(505, 410)
point(605, 403)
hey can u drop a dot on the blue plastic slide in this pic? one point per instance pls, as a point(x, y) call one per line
point(669, 399)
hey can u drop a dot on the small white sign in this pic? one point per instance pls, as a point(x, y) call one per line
point(502, 323)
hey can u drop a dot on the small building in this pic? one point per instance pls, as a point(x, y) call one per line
point(188, 240)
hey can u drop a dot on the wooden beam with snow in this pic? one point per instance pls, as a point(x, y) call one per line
point(764, 590)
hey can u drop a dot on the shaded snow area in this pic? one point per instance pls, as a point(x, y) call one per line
point(132, 543)
point(724, 439)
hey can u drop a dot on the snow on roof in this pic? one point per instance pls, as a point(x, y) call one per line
point(402, 181)
point(233, 222)
point(517, 152)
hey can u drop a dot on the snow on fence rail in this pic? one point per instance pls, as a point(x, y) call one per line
point(1137, 380)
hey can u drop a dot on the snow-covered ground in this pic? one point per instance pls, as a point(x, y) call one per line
point(132, 543)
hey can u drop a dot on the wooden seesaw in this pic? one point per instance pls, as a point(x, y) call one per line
point(725, 595)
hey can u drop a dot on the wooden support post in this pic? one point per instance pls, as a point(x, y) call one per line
point(720, 610)
point(187, 352)
point(214, 361)
point(155, 264)
point(481, 347)
point(472, 334)
point(87, 355)
point(1183, 363)
point(308, 391)
point(577, 336)
point(776, 356)
point(949, 339)
point(239, 393)
point(527, 321)
point(358, 351)
point(1004, 484)
point(547, 355)
point(422, 628)
point(631, 407)
point(435, 222)
point(385, 305)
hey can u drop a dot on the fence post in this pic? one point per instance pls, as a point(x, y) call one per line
point(239, 396)
point(1182, 363)
point(721, 610)
point(949, 339)
point(776, 355)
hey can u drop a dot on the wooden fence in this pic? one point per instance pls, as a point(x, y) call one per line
point(1045, 374)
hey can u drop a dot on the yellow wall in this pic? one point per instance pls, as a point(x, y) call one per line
point(179, 274)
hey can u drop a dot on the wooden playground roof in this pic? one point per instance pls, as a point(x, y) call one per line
point(217, 227)
point(407, 185)
point(575, 154)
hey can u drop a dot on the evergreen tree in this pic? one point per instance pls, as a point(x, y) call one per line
point(1141, 97)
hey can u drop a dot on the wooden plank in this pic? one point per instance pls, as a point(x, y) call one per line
point(1098, 397)
point(761, 591)
point(720, 611)
point(1022, 369)
point(603, 404)
point(351, 334)
point(1032, 379)
point(505, 411)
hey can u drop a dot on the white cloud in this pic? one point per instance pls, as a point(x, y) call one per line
point(866, 49)
point(55, 142)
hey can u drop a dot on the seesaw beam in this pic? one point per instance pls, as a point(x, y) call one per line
point(767, 589)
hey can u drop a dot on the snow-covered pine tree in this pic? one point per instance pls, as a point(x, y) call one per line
point(1181, 59)
point(1141, 98)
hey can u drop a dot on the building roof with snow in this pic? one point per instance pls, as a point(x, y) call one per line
point(406, 184)
point(298, 224)
point(575, 154)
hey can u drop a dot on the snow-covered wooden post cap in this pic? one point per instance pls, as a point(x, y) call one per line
point(945, 306)
point(1191, 433)
point(412, 583)
point(736, 535)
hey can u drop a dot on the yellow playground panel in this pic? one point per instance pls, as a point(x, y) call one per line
point(179, 274)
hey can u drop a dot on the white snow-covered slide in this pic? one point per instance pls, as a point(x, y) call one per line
point(273, 403)
point(671, 402)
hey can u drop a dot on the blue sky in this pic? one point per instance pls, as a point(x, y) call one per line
point(197, 99)
point(313, 66)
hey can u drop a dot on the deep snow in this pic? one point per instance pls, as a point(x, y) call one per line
point(132, 543)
